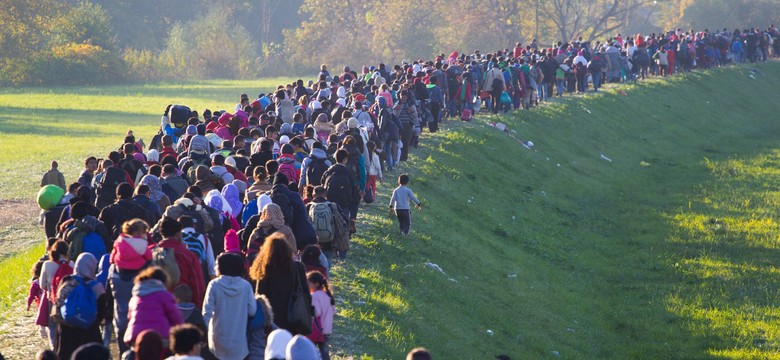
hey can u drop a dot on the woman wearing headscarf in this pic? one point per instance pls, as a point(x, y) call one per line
point(231, 193)
point(69, 338)
point(156, 194)
point(215, 200)
point(271, 221)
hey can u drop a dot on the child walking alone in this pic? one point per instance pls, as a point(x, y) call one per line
point(402, 195)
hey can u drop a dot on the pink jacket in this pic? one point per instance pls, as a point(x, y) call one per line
point(324, 310)
point(151, 307)
point(130, 253)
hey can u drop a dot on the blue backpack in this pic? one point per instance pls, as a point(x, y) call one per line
point(80, 306)
point(93, 243)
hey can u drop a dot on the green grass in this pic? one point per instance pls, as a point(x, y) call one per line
point(556, 251)
point(68, 124)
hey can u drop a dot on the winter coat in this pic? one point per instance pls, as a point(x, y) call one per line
point(229, 302)
point(151, 208)
point(277, 285)
point(130, 253)
point(152, 307)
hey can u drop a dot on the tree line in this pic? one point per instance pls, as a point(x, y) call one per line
point(110, 41)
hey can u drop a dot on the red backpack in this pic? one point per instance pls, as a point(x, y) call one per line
point(63, 270)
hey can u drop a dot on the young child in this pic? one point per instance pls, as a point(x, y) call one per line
point(131, 250)
point(186, 342)
point(324, 308)
point(402, 195)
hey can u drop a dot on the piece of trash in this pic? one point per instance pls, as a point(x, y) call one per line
point(570, 330)
point(512, 276)
point(453, 280)
point(360, 302)
point(468, 201)
point(558, 165)
point(606, 158)
point(528, 144)
point(544, 193)
point(752, 77)
point(514, 131)
point(586, 110)
point(644, 163)
point(622, 93)
point(434, 267)
point(546, 158)
point(501, 126)
point(489, 332)
point(555, 353)
point(513, 217)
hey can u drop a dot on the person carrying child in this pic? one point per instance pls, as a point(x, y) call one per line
point(402, 195)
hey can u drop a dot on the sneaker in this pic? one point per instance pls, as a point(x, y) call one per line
point(352, 226)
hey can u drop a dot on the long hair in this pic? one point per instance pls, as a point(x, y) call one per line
point(316, 278)
point(275, 254)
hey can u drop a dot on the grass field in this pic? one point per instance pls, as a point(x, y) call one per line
point(665, 247)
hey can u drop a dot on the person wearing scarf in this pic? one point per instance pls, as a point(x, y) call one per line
point(271, 221)
point(156, 193)
point(70, 338)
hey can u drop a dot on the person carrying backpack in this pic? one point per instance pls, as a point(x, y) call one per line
point(304, 232)
point(88, 234)
point(199, 246)
point(188, 264)
point(389, 132)
point(79, 308)
point(329, 224)
point(314, 166)
point(271, 221)
point(52, 273)
point(340, 184)
point(105, 188)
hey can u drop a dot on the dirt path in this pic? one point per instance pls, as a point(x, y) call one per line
point(17, 218)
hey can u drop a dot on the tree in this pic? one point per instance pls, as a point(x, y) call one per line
point(588, 18)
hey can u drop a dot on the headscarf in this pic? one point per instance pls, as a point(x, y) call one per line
point(153, 156)
point(215, 200)
point(301, 348)
point(154, 185)
point(231, 195)
point(148, 345)
point(277, 344)
point(262, 201)
point(322, 117)
point(191, 130)
point(272, 215)
point(86, 265)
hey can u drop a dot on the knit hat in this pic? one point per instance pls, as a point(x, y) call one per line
point(231, 242)
point(281, 179)
point(284, 139)
point(352, 123)
point(191, 130)
point(230, 161)
point(301, 348)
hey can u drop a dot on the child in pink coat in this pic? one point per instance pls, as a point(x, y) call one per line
point(131, 249)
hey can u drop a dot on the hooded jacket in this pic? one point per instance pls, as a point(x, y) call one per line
point(229, 303)
point(277, 344)
point(316, 154)
point(177, 209)
point(301, 227)
point(206, 180)
point(151, 307)
point(130, 253)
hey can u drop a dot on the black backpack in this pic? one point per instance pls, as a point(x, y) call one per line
point(339, 188)
point(314, 172)
point(106, 189)
point(283, 201)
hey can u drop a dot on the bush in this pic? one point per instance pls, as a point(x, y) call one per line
point(71, 64)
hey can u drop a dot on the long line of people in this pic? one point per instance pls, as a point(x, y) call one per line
point(231, 221)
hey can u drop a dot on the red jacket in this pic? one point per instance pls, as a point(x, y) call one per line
point(168, 151)
point(189, 266)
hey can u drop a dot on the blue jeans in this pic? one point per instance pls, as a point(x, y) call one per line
point(391, 149)
point(541, 91)
point(596, 81)
point(559, 84)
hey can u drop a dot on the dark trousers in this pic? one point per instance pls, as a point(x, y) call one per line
point(406, 139)
point(433, 123)
point(404, 220)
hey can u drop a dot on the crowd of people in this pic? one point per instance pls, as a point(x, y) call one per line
point(217, 239)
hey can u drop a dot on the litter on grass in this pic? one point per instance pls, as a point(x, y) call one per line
point(644, 163)
point(434, 267)
point(489, 332)
point(604, 157)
